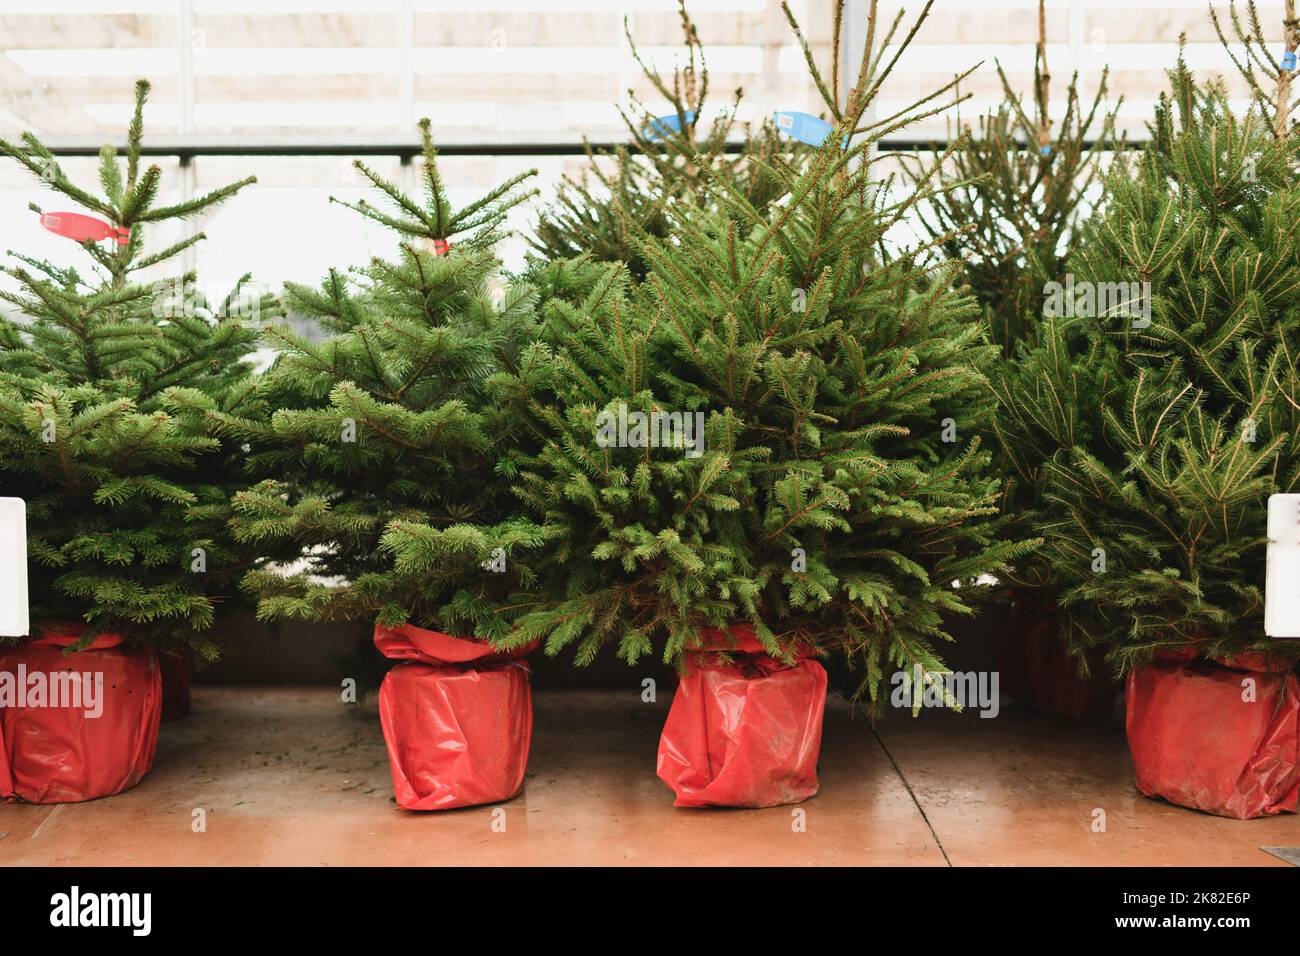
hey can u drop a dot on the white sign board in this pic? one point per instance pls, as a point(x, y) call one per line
point(1282, 575)
point(13, 568)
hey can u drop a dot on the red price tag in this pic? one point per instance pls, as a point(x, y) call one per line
point(82, 228)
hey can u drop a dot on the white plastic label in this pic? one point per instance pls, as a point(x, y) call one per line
point(1282, 574)
point(13, 568)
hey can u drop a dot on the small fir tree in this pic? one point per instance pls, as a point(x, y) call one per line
point(1015, 191)
point(835, 494)
point(1159, 409)
point(385, 449)
point(104, 381)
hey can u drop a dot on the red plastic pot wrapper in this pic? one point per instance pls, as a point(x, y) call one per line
point(95, 743)
point(457, 719)
point(176, 671)
point(1038, 672)
point(744, 732)
point(1196, 742)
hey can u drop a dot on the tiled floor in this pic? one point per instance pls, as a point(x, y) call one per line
point(292, 776)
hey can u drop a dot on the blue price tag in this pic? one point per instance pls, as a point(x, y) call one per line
point(806, 128)
point(672, 123)
point(1288, 60)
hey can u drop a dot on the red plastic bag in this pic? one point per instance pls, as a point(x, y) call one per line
point(457, 719)
point(1196, 742)
point(85, 748)
point(1036, 670)
point(744, 733)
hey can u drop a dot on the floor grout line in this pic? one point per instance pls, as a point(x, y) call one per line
point(910, 792)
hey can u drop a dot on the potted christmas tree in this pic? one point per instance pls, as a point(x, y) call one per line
point(389, 445)
point(104, 379)
point(1010, 207)
point(765, 452)
point(1167, 379)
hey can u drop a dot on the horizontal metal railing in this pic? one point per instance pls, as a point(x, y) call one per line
point(400, 145)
